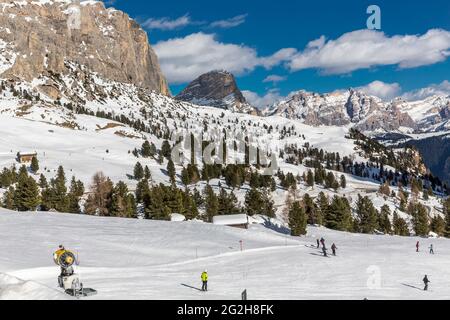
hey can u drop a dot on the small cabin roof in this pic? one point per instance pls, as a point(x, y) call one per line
point(230, 220)
point(31, 153)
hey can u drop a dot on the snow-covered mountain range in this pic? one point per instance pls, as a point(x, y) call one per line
point(367, 113)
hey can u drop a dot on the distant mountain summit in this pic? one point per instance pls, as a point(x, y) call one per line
point(216, 89)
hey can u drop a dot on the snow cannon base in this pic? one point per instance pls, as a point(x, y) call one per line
point(85, 292)
point(73, 286)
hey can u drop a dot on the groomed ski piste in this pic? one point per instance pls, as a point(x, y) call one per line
point(141, 259)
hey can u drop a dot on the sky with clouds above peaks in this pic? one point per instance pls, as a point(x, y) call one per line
point(277, 47)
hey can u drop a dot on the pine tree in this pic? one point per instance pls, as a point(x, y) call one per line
point(421, 220)
point(310, 179)
point(211, 203)
point(367, 215)
point(185, 178)
point(138, 171)
point(225, 207)
point(343, 182)
point(323, 205)
point(34, 165)
point(253, 202)
point(122, 203)
point(400, 226)
point(26, 195)
point(76, 191)
point(438, 225)
point(311, 210)
point(330, 180)
point(189, 205)
point(197, 197)
point(339, 215)
point(268, 204)
point(154, 204)
point(147, 174)
point(290, 199)
point(148, 150)
point(171, 171)
point(173, 198)
point(384, 222)
point(54, 196)
point(8, 199)
point(166, 149)
point(43, 184)
point(297, 220)
point(142, 190)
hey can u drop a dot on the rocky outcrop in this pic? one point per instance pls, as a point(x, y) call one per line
point(216, 89)
point(367, 113)
point(39, 36)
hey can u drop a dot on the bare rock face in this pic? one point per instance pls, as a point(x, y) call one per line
point(367, 113)
point(39, 36)
point(216, 89)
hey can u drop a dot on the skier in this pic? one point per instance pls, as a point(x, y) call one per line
point(334, 248)
point(322, 241)
point(205, 280)
point(324, 250)
point(426, 281)
point(318, 243)
point(417, 246)
point(431, 249)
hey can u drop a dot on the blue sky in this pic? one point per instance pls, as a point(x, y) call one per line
point(412, 50)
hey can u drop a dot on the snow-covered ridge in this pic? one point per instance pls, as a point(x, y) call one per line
point(367, 113)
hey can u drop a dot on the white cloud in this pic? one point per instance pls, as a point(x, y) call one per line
point(442, 88)
point(167, 23)
point(365, 49)
point(278, 57)
point(229, 23)
point(261, 102)
point(383, 90)
point(274, 78)
point(184, 59)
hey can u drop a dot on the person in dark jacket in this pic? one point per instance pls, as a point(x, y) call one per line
point(324, 250)
point(417, 246)
point(318, 243)
point(426, 282)
point(334, 248)
point(322, 241)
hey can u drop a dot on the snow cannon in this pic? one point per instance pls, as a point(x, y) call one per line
point(68, 279)
point(64, 258)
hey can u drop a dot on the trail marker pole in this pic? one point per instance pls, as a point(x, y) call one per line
point(244, 295)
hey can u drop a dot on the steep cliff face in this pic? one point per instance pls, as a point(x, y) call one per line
point(38, 37)
point(216, 89)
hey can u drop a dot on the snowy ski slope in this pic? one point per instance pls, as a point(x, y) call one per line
point(136, 259)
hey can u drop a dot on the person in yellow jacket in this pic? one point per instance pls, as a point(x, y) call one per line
point(205, 280)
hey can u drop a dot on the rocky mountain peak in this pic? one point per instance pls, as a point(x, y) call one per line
point(216, 89)
point(39, 37)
